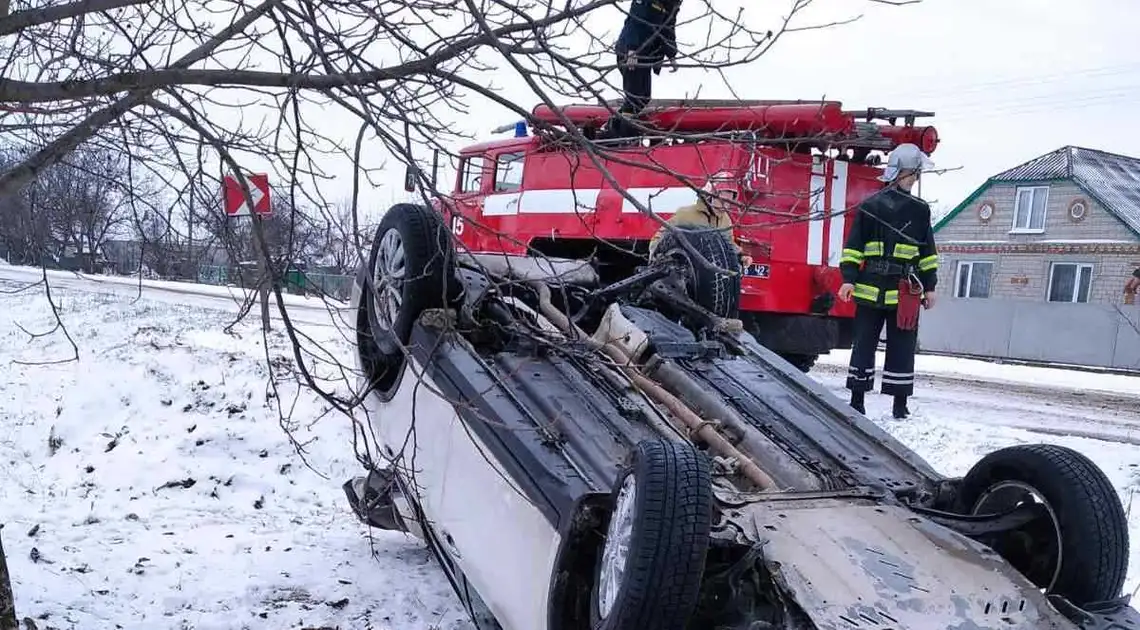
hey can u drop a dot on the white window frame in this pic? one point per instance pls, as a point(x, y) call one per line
point(968, 266)
point(471, 176)
point(511, 162)
point(1032, 192)
point(1076, 282)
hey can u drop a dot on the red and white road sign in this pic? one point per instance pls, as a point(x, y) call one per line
point(234, 200)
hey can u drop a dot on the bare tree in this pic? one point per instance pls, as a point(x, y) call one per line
point(187, 91)
point(340, 237)
point(187, 100)
point(85, 197)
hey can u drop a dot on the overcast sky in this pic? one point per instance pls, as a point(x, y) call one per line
point(1008, 79)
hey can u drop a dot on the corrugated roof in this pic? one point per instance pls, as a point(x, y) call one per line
point(1112, 179)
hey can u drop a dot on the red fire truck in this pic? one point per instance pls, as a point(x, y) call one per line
point(801, 166)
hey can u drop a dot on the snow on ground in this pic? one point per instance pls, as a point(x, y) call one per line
point(60, 277)
point(954, 426)
point(974, 370)
point(149, 484)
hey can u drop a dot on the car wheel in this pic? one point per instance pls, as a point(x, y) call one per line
point(412, 270)
point(1081, 550)
point(650, 565)
point(717, 291)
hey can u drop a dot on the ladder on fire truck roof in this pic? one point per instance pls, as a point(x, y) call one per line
point(821, 123)
point(869, 114)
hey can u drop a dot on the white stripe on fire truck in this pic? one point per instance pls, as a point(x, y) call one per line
point(816, 212)
point(501, 204)
point(552, 201)
point(660, 200)
point(838, 219)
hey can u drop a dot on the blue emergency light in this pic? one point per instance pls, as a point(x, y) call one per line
point(520, 129)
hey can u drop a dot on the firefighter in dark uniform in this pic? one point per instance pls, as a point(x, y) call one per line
point(647, 39)
point(890, 267)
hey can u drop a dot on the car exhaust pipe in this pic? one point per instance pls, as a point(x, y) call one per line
point(697, 427)
point(787, 470)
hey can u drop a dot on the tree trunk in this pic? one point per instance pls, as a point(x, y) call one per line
point(7, 599)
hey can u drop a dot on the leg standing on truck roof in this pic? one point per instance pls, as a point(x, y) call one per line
point(647, 39)
point(890, 267)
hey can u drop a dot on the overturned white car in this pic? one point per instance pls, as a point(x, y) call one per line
point(624, 457)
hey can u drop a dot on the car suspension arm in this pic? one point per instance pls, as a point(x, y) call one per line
point(698, 427)
point(636, 281)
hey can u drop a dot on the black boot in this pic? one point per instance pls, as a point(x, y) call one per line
point(857, 402)
point(900, 410)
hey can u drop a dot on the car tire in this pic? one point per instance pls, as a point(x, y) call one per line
point(409, 237)
point(717, 291)
point(651, 563)
point(1087, 521)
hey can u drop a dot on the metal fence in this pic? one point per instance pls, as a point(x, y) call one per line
point(1095, 335)
point(335, 286)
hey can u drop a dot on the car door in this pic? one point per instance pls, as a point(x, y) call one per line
point(466, 200)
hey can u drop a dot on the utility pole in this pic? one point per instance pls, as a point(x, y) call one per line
point(236, 203)
point(263, 270)
point(190, 233)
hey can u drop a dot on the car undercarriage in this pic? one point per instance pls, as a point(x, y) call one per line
point(668, 471)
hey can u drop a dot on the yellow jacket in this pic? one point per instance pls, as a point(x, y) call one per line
point(697, 215)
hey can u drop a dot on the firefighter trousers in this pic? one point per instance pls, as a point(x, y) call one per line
point(637, 84)
point(898, 369)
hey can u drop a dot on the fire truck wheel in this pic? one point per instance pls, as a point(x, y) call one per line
point(715, 290)
point(412, 264)
point(802, 362)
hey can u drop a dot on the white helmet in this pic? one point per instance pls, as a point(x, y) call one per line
point(905, 157)
point(721, 181)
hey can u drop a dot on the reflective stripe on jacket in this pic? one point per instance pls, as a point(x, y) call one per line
point(891, 236)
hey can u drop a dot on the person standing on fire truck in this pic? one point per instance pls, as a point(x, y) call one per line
point(890, 267)
point(647, 39)
point(710, 211)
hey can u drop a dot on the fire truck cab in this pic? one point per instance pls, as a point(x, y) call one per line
point(801, 168)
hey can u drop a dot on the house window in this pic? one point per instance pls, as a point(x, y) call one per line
point(1029, 209)
point(508, 172)
point(1070, 282)
point(472, 170)
point(973, 279)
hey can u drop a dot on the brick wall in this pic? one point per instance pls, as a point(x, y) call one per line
point(1026, 276)
point(1098, 223)
point(1022, 262)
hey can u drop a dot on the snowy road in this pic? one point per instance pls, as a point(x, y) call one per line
point(308, 310)
point(1046, 410)
point(151, 485)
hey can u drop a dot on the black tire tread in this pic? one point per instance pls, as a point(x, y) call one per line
point(1095, 527)
point(670, 538)
point(430, 260)
point(716, 291)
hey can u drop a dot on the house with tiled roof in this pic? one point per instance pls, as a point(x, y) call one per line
point(1039, 252)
